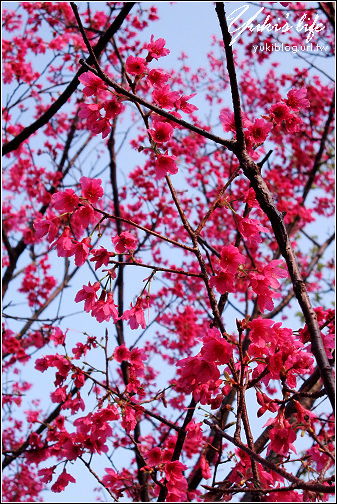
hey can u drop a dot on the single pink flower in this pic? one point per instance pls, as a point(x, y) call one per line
point(122, 353)
point(259, 130)
point(215, 348)
point(62, 481)
point(64, 244)
point(154, 456)
point(223, 282)
point(279, 112)
point(88, 294)
point(82, 217)
point(156, 49)
point(91, 189)
point(81, 250)
point(230, 259)
point(281, 437)
point(91, 82)
point(296, 99)
point(100, 256)
point(124, 242)
point(162, 133)
point(250, 230)
point(157, 77)
point(135, 66)
point(49, 227)
point(182, 104)
point(112, 108)
point(135, 316)
point(104, 309)
point(165, 164)
point(164, 97)
point(293, 123)
point(65, 201)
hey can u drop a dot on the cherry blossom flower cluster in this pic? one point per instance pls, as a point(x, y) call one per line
point(162, 129)
point(262, 280)
point(283, 113)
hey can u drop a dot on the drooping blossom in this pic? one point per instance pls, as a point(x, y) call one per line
point(121, 353)
point(250, 230)
point(135, 66)
point(162, 132)
point(88, 295)
point(157, 78)
point(99, 257)
point(124, 242)
point(296, 99)
point(165, 164)
point(154, 457)
point(91, 189)
point(227, 120)
point(204, 466)
point(65, 201)
point(279, 112)
point(195, 371)
point(183, 104)
point(224, 281)
point(82, 217)
point(135, 315)
point(164, 97)
point(112, 108)
point(176, 482)
point(292, 123)
point(231, 258)
point(64, 244)
point(49, 227)
point(261, 331)
point(81, 250)
point(215, 348)
point(91, 82)
point(46, 474)
point(282, 435)
point(62, 481)
point(105, 308)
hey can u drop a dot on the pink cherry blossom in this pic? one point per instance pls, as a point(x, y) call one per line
point(135, 66)
point(88, 294)
point(91, 82)
point(105, 308)
point(259, 130)
point(124, 242)
point(230, 259)
point(279, 112)
point(65, 201)
point(91, 189)
point(165, 164)
point(162, 132)
point(296, 99)
point(282, 435)
point(156, 49)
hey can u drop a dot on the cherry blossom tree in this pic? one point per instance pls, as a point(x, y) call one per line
point(168, 318)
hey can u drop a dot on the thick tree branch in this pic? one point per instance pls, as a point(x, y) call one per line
point(265, 199)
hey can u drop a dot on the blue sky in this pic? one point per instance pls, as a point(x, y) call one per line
point(187, 27)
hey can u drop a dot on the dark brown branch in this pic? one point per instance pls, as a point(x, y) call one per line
point(266, 202)
point(269, 465)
